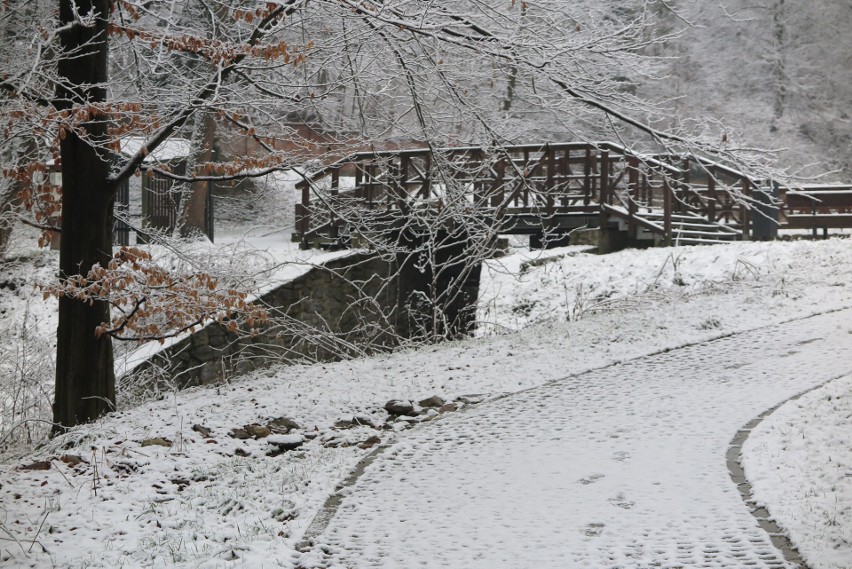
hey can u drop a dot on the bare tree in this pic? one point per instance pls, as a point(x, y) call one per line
point(362, 73)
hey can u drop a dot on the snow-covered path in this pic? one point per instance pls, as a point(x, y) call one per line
point(619, 467)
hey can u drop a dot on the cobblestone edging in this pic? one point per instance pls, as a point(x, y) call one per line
point(764, 518)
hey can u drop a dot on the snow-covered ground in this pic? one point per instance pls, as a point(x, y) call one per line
point(175, 483)
point(799, 462)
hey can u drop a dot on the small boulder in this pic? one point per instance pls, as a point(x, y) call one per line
point(241, 434)
point(471, 399)
point(345, 423)
point(432, 402)
point(257, 431)
point(400, 407)
point(447, 408)
point(370, 443)
point(157, 441)
point(286, 442)
point(202, 430)
point(282, 425)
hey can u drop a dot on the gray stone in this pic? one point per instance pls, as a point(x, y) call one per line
point(433, 401)
point(208, 373)
point(202, 430)
point(400, 407)
point(241, 434)
point(345, 423)
point(286, 442)
point(471, 399)
point(199, 339)
point(157, 441)
point(257, 431)
point(282, 425)
point(370, 443)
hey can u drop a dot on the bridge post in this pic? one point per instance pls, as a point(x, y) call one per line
point(303, 214)
point(440, 295)
point(632, 197)
point(332, 220)
point(711, 194)
point(551, 166)
point(765, 213)
point(667, 212)
point(498, 190)
point(745, 218)
point(426, 188)
point(604, 190)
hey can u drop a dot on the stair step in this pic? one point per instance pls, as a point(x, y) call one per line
point(698, 233)
point(712, 226)
point(683, 218)
point(696, 241)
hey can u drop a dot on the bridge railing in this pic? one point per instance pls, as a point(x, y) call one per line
point(719, 193)
point(537, 181)
point(514, 185)
point(817, 206)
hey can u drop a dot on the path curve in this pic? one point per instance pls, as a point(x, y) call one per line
point(618, 467)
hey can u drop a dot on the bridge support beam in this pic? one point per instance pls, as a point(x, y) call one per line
point(764, 214)
point(439, 274)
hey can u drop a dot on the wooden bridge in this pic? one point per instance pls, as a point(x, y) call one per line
point(549, 190)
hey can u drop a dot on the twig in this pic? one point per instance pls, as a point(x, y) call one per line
point(21, 422)
point(12, 536)
point(38, 531)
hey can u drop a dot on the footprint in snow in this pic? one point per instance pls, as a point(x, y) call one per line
point(591, 478)
point(621, 502)
point(593, 529)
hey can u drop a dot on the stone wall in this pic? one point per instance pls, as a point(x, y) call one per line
point(353, 305)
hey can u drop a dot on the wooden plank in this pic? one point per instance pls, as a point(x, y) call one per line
point(820, 199)
point(807, 221)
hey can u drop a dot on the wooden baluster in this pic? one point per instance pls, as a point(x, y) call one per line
point(549, 180)
point(498, 192)
point(604, 189)
point(667, 212)
point(303, 214)
point(632, 197)
point(426, 188)
point(711, 194)
point(745, 213)
point(402, 188)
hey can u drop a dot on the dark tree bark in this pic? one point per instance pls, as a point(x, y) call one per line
point(9, 201)
point(85, 380)
point(193, 215)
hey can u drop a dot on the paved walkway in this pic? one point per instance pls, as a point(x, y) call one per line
point(621, 467)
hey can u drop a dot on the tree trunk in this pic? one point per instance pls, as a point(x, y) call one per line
point(85, 380)
point(193, 215)
point(9, 202)
point(779, 68)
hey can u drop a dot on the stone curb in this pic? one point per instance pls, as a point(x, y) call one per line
point(735, 468)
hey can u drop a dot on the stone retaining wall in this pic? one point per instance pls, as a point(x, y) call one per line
point(349, 306)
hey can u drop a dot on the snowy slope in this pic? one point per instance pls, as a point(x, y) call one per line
point(204, 497)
